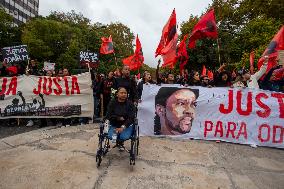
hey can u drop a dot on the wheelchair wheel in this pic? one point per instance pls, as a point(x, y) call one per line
point(133, 152)
point(98, 160)
point(103, 146)
point(134, 145)
point(106, 147)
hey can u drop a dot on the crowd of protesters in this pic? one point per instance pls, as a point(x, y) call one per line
point(105, 84)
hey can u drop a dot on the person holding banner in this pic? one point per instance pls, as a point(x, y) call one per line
point(147, 79)
point(222, 78)
point(252, 80)
point(274, 79)
point(32, 68)
point(105, 90)
point(128, 83)
point(194, 79)
point(175, 110)
point(3, 71)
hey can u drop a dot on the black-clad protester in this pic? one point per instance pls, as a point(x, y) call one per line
point(105, 90)
point(147, 79)
point(128, 83)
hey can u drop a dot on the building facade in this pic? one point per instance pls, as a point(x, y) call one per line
point(20, 10)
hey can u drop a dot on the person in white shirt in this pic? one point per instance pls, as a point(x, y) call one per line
point(251, 80)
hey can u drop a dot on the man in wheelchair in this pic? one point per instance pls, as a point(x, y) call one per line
point(120, 116)
point(120, 121)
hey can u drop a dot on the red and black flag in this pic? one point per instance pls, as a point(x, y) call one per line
point(182, 52)
point(135, 61)
point(271, 51)
point(210, 75)
point(106, 46)
point(205, 28)
point(169, 53)
point(168, 33)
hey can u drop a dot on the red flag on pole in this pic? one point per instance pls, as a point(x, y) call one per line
point(182, 53)
point(251, 61)
point(107, 45)
point(169, 53)
point(271, 51)
point(203, 71)
point(135, 61)
point(210, 75)
point(168, 33)
point(138, 75)
point(206, 27)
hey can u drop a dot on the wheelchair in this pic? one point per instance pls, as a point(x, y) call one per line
point(104, 144)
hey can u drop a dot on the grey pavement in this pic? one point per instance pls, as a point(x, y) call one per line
point(65, 158)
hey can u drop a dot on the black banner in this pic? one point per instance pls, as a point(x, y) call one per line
point(89, 57)
point(15, 53)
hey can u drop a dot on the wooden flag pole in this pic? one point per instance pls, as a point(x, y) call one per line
point(218, 47)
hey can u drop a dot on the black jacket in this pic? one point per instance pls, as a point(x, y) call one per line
point(130, 85)
point(117, 110)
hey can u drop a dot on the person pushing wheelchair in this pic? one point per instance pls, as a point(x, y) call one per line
point(120, 117)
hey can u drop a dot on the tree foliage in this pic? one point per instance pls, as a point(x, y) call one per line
point(243, 26)
point(9, 34)
point(60, 37)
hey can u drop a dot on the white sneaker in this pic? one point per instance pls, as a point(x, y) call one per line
point(67, 125)
point(30, 123)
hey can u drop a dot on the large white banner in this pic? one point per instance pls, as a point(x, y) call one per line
point(234, 115)
point(42, 96)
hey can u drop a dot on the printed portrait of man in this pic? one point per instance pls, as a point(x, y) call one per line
point(175, 110)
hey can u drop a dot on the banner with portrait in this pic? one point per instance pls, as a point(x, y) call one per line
point(234, 115)
point(43, 96)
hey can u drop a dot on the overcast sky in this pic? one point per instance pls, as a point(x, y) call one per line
point(144, 17)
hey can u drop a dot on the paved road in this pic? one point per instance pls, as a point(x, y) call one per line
point(65, 158)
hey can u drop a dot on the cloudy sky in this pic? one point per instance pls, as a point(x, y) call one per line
point(144, 17)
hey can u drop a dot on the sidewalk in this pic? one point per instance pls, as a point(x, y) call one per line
point(65, 158)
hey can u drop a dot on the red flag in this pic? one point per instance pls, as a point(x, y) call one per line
point(182, 53)
point(203, 71)
point(206, 27)
point(168, 33)
point(271, 51)
point(106, 46)
point(251, 62)
point(278, 74)
point(169, 54)
point(138, 75)
point(135, 61)
point(210, 75)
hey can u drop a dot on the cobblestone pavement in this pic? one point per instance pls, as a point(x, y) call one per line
point(65, 158)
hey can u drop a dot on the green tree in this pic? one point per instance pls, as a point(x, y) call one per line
point(9, 34)
point(243, 26)
point(60, 37)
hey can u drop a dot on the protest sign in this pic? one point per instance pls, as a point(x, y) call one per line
point(89, 57)
point(48, 66)
point(15, 53)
